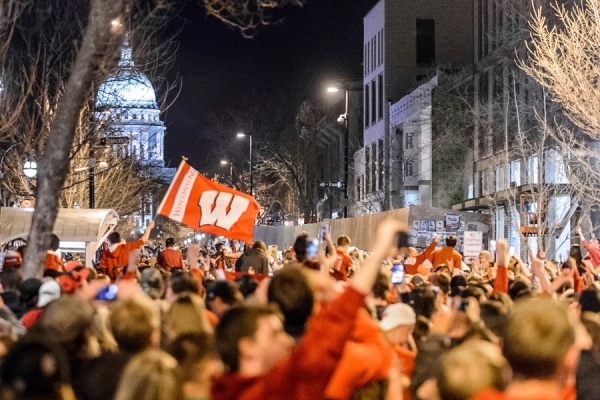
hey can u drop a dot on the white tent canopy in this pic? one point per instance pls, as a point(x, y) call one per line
point(78, 229)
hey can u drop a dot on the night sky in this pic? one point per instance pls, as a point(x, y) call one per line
point(219, 67)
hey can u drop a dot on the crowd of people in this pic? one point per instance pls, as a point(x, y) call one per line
point(314, 321)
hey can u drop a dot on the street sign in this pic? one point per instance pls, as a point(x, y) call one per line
point(108, 141)
point(337, 185)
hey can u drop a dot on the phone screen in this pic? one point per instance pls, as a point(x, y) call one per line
point(323, 233)
point(398, 273)
point(312, 248)
point(107, 293)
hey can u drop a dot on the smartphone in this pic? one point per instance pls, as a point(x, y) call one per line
point(107, 293)
point(397, 274)
point(323, 233)
point(462, 305)
point(312, 248)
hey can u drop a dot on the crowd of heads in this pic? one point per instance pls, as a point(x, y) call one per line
point(448, 332)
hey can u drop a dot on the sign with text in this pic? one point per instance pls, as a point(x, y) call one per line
point(107, 141)
point(472, 244)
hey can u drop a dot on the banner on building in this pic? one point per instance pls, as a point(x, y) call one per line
point(208, 206)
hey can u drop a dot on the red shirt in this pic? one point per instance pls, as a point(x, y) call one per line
point(118, 257)
point(342, 273)
point(305, 373)
point(170, 258)
point(53, 262)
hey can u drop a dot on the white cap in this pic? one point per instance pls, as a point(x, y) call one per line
point(397, 314)
point(49, 291)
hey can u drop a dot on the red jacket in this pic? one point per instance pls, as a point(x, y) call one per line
point(305, 373)
point(414, 267)
point(366, 358)
point(594, 253)
point(119, 256)
point(170, 258)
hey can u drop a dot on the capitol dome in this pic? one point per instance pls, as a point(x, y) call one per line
point(128, 88)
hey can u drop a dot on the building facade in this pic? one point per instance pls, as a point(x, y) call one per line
point(126, 107)
point(405, 43)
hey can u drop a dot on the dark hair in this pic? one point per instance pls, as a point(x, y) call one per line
point(575, 253)
point(54, 242)
point(300, 246)
point(519, 290)
point(444, 282)
point(458, 281)
point(247, 284)
point(422, 300)
point(236, 324)
point(170, 242)
point(191, 348)
point(227, 291)
point(115, 237)
point(451, 242)
point(11, 279)
point(495, 316)
point(381, 286)
point(184, 282)
point(290, 290)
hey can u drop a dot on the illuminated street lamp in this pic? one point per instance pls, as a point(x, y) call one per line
point(30, 168)
point(225, 162)
point(343, 119)
point(242, 135)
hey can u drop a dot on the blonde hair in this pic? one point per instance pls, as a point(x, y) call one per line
point(187, 315)
point(273, 251)
point(151, 375)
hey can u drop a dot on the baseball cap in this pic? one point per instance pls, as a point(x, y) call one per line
point(49, 291)
point(12, 258)
point(397, 314)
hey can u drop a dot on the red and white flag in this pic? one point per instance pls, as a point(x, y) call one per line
point(207, 206)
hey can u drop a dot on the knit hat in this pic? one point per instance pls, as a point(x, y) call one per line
point(49, 291)
point(397, 314)
point(12, 258)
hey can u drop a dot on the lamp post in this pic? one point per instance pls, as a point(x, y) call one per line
point(91, 168)
point(240, 136)
point(225, 162)
point(343, 119)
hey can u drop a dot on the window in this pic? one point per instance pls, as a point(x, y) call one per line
point(408, 168)
point(367, 108)
point(380, 166)
point(374, 168)
point(373, 56)
point(500, 178)
point(533, 170)
point(425, 41)
point(378, 48)
point(367, 168)
point(515, 172)
point(409, 140)
point(380, 95)
point(381, 60)
point(373, 101)
point(365, 61)
point(411, 198)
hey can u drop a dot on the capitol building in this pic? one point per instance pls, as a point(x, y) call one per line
point(126, 106)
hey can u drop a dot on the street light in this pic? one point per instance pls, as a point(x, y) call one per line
point(30, 168)
point(225, 162)
point(343, 119)
point(241, 135)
